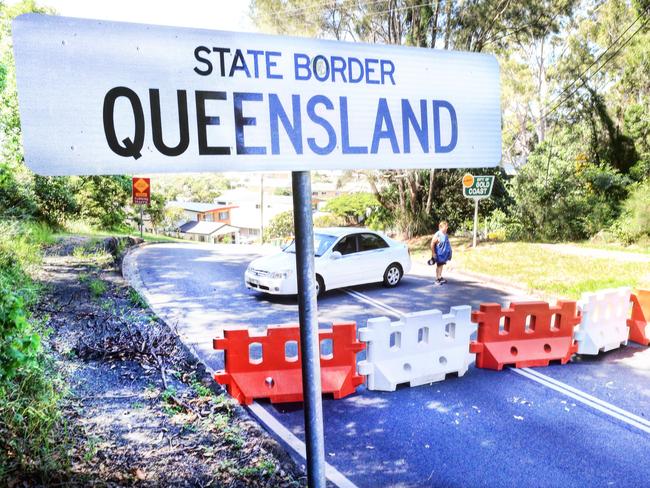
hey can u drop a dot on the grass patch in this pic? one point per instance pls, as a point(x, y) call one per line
point(633, 248)
point(84, 230)
point(135, 299)
point(97, 287)
point(551, 272)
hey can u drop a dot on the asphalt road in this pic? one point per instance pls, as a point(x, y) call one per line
point(583, 424)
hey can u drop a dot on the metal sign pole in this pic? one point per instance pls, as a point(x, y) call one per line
point(141, 222)
point(308, 315)
point(475, 220)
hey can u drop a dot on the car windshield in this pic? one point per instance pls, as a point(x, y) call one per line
point(322, 242)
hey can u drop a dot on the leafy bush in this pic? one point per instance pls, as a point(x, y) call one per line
point(280, 227)
point(328, 220)
point(634, 222)
point(102, 200)
point(29, 392)
point(20, 343)
point(560, 195)
point(354, 208)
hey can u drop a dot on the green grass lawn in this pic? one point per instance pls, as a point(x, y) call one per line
point(543, 270)
point(80, 229)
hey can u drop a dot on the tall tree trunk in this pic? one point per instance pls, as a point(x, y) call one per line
point(402, 201)
point(541, 78)
point(434, 24)
point(432, 174)
point(448, 9)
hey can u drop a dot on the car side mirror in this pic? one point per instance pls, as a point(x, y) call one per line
point(336, 255)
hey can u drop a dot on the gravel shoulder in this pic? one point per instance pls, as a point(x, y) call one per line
point(139, 410)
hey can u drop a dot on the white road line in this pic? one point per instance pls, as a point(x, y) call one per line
point(365, 298)
point(589, 397)
point(332, 474)
point(596, 403)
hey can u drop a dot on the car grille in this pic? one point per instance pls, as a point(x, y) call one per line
point(258, 272)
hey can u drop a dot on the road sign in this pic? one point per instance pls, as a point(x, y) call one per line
point(100, 97)
point(477, 186)
point(141, 191)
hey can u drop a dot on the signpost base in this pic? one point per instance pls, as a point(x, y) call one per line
point(308, 316)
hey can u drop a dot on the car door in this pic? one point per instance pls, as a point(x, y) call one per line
point(374, 258)
point(342, 271)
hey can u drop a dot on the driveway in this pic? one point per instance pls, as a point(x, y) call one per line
point(585, 423)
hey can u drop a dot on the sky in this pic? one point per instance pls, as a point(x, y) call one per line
point(231, 15)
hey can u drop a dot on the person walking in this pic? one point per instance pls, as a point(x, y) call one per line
point(440, 251)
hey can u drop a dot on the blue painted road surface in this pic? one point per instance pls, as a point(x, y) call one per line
point(583, 424)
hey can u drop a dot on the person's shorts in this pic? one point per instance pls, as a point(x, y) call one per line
point(440, 262)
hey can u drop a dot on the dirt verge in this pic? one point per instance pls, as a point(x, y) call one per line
point(140, 411)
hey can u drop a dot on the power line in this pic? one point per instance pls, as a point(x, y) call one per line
point(314, 8)
point(546, 114)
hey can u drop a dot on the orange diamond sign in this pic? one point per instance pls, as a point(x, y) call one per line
point(141, 191)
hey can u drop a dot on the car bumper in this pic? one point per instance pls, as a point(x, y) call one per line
point(273, 286)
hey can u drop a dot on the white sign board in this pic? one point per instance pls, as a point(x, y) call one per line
point(102, 97)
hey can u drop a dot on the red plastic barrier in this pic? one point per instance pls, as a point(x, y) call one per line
point(531, 334)
point(639, 324)
point(278, 377)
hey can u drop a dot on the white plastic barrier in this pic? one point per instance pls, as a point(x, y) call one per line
point(603, 324)
point(421, 348)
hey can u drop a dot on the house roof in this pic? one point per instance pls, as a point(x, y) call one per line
point(206, 228)
point(199, 206)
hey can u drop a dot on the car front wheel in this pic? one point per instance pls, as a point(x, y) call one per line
point(320, 286)
point(393, 275)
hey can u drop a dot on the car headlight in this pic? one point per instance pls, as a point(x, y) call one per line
point(281, 274)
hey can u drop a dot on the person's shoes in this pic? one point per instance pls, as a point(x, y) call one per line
point(442, 281)
point(437, 283)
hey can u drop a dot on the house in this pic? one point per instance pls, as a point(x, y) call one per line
point(205, 222)
point(207, 212)
point(249, 216)
point(212, 232)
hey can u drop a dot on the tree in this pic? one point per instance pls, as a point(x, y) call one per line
point(476, 25)
point(103, 199)
point(354, 208)
point(561, 195)
point(156, 211)
point(280, 226)
point(19, 189)
point(55, 199)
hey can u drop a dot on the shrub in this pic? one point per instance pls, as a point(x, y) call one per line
point(560, 195)
point(634, 222)
point(328, 220)
point(29, 392)
point(280, 227)
point(354, 208)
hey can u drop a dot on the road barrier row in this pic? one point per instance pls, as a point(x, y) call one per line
point(425, 347)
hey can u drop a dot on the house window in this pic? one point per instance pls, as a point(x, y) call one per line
point(223, 215)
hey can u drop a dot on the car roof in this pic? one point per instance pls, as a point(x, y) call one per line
point(341, 231)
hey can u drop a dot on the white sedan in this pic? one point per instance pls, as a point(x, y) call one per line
point(343, 257)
